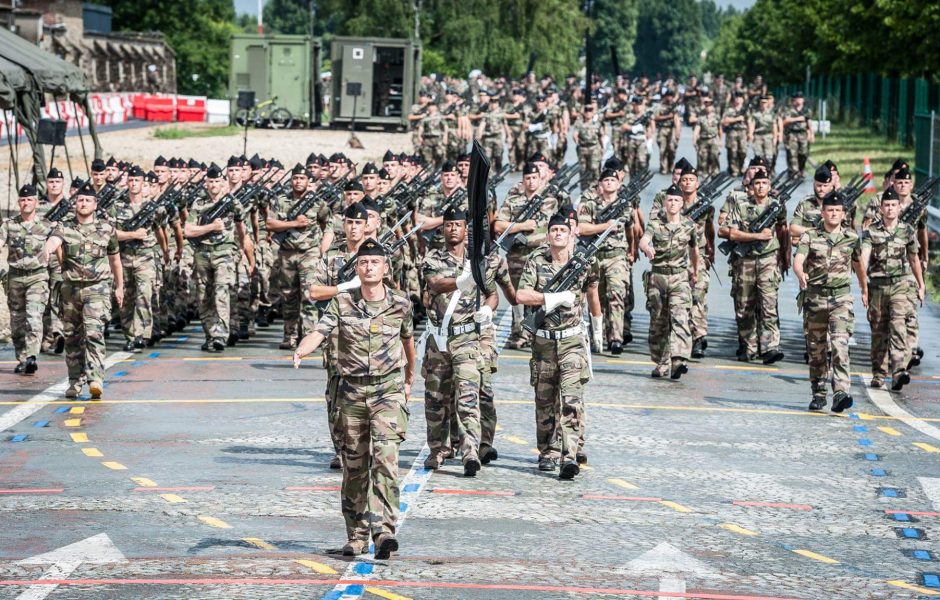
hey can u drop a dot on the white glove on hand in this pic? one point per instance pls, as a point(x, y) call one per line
point(597, 332)
point(354, 284)
point(465, 281)
point(553, 301)
point(484, 316)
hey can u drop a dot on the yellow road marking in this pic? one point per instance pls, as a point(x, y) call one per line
point(79, 438)
point(515, 439)
point(676, 506)
point(213, 522)
point(622, 484)
point(741, 368)
point(499, 427)
point(144, 482)
point(72, 422)
point(217, 358)
point(173, 498)
point(814, 556)
point(737, 529)
point(259, 543)
point(114, 465)
point(317, 567)
point(92, 452)
point(913, 588)
point(889, 430)
point(387, 595)
point(927, 447)
point(77, 410)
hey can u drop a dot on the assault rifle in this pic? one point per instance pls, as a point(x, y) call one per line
point(222, 207)
point(567, 277)
point(766, 219)
point(529, 210)
point(921, 199)
point(455, 199)
point(707, 198)
point(304, 204)
point(107, 197)
point(61, 209)
point(626, 196)
point(145, 217)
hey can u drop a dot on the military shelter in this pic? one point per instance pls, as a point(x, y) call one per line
point(375, 79)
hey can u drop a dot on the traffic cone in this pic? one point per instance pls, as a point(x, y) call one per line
point(869, 178)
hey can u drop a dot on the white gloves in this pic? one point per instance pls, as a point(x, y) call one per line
point(349, 285)
point(465, 281)
point(597, 332)
point(553, 301)
point(484, 316)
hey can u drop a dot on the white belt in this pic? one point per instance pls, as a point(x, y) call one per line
point(452, 331)
point(559, 334)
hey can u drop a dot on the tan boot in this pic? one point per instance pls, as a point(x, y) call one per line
point(74, 389)
point(95, 388)
point(355, 547)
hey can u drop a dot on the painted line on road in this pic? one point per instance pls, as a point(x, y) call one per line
point(737, 529)
point(313, 488)
point(72, 422)
point(913, 588)
point(749, 503)
point(92, 452)
point(620, 498)
point(622, 484)
point(159, 490)
point(927, 447)
point(472, 492)
point(79, 438)
point(259, 543)
point(914, 513)
point(144, 482)
point(214, 522)
point(386, 594)
point(32, 491)
point(676, 506)
point(889, 430)
point(115, 466)
point(317, 567)
point(815, 556)
point(886, 404)
point(173, 498)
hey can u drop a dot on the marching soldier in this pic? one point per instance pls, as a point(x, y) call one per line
point(614, 115)
point(374, 329)
point(24, 237)
point(52, 315)
point(890, 256)
point(762, 132)
point(706, 137)
point(590, 138)
point(671, 245)
point(668, 128)
point(808, 213)
point(431, 206)
point(638, 133)
point(560, 365)
point(735, 126)
point(88, 251)
point(705, 229)
point(825, 257)
point(491, 129)
point(516, 116)
point(538, 129)
point(797, 133)
point(433, 132)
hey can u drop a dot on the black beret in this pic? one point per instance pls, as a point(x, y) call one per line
point(464, 157)
point(214, 171)
point(371, 247)
point(673, 190)
point(899, 164)
point(529, 168)
point(681, 164)
point(831, 166)
point(370, 169)
point(449, 166)
point(569, 212)
point(636, 100)
point(369, 204)
point(611, 173)
point(390, 156)
point(55, 174)
point(540, 98)
point(159, 161)
point(455, 214)
point(760, 174)
point(299, 169)
point(903, 173)
point(193, 164)
point(614, 163)
point(87, 190)
point(337, 157)
point(27, 190)
point(356, 211)
point(135, 171)
point(97, 165)
point(256, 162)
point(410, 159)
point(559, 219)
point(798, 94)
point(234, 161)
point(77, 182)
point(111, 162)
point(151, 177)
point(757, 161)
point(538, 157)
point(383, 174)
point(689, 170)
point(834, 199)
point(353, 185)
point(823, 174)
point(890, 194)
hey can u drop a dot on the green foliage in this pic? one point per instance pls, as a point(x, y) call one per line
point(179, 133)
point(614, 27)
point(669, 37)
point(286, 16)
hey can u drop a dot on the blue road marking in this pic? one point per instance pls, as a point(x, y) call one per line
point(363, 568)
point(922, 555)
point(889, 492)
point(19, 438)
point(355, 590)
point(412, 487)
point(871, 456)
point(41, 424)
point(878, 472)
point(120, 374)
point(864, 442)
point(61, 409)
point(910, 532)
point(154, 354)
point(931, 580)
point(901, 517)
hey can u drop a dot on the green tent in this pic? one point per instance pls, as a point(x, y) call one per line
point(27, 74)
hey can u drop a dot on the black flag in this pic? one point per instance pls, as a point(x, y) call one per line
point(479, 225)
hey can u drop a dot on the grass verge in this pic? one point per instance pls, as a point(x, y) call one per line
point(178, 133)
point(848, 146)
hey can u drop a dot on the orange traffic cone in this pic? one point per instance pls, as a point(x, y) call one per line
point(869, 178)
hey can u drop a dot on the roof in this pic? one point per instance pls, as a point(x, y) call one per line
point(24, 66)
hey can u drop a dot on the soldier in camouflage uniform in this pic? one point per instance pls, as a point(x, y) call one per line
point(455, 113)
point(433, 131)
point(705, 230)
point(590, 138)
point(762, 132)
point(52, 319)
point(299, 254)
point(560, 365)
point(24, 237)
point(88, 251)
point(374, 330)
point(671, 244)
point(454, 363)
point(498, 270)
point(516, 116)
point(706, 137)
point(614, 115)
point(808, 213)
point(490, 131)
point(734, 124)
point(757, 275)
point(214, 257)
point(638, 132)
point(415, 116)
point(613, 268)
point(890, 257)
point(668, 128)
point(539, 128)
point(825, 257)
point(431, 206)
point(797, 133)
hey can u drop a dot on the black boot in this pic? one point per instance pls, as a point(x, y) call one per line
point(31, 365)
point(243, 332)
point(262, 319)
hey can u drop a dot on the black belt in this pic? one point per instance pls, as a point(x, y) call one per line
point(669, 270)
point(17, 272)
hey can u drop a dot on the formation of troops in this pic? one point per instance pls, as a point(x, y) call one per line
point(373, 264)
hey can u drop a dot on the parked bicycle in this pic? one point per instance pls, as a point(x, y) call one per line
point(265, 114)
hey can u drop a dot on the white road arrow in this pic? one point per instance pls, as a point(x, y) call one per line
point(931, 487)
point(670, 564)
point(97, 549)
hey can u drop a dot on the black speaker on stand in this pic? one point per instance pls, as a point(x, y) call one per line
point(246, 100)
point(52, 132)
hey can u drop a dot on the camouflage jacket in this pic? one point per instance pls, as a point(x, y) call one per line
point(808, 213)
point(25, 242)
point(539, 269)
point(889, 249)
point(829, 256)
point(635, 129)
point(223, 241)
point(671, 242)
point(796, 128)
point(665, 111)
point(763, 122)
point(492, 120)
point(123, 212)
point(747, 212)
point(306, 238)
point(85, 250)
point(434, 126)
point(587, 212)
point(733, 113)
point(370, 337)
point(512, 208)
point(708, 125)
point(522, 110)
point(589, 132)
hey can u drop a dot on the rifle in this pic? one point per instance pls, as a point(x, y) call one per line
point(221, 208)
point(921, 199)
point(529, 210)
point(305, 203)
point(498, 179)
point(397, 244)
point(567, 276)
point(765, 219)
point(451, 202)
point(385, 237)
point(170, 198)
point(144, 218)
point(106, 198)
point(705, 202)
point(61, 209)
point(626, 196)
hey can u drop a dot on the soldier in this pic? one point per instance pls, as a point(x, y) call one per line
point(498, 270)
point(52, 315)
point(415, 116)
point(797, 133)
point(762, 132)
point(434, 132)
point(457, 121)
point(559, 120)
point(720, 91)
point(614, 115)
point(890, 256)
point(692, 99)
point(560, 364)
point(668, 128)
point(613, 267)
point(590, 138)
point(757, 275)
point(432, 205)
point(299, 253)
point(516, 116)
point(24, 237)
point(454, 363)
point(706, 137)
point(824, 260)
point(490, 131)
point(214, 258)
point(638, 133)
point(734, 124)
point(808, 213)
point(705, 230)
point(88, 251)
point(671, 244)
point(374, 330)
point(538, 129)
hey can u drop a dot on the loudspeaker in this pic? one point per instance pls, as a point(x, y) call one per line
point(353, 88)
point(51, 131)
point(246, 99)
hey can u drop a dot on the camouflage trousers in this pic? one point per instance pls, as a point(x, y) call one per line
point(517, 144)
point(589, 158)
point(184, 275)
point(756, 293)
point(433, 152)
point(295, 274)
point(797, 147)
point(455, 146)
point(763, 145)
point(515, 260)
point(913, 327)
point(265, 256)
point(542, 144)
point(452, 388)
point(828, 314)
point(736, 144)
point(333, 416)
point(85, 308)
point(698, 312)
point(614, 283)
point(706, 156)
point(636, 157)
point(374, 420)
point(667, 142)
point(137, 311)
point(668, 300)
point(561, 148)
point(890, 311)
point(493, 148)
point(4, 311)
point(214, 280)
point(160, 307)
point(242, 290)
point(558, 371)
point(27, 298)
point(487, 405)
point(52, 313)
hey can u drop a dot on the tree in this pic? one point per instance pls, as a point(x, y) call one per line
point(712, 17)
point(614, 28)
point(669, 37)
point(286, 16)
